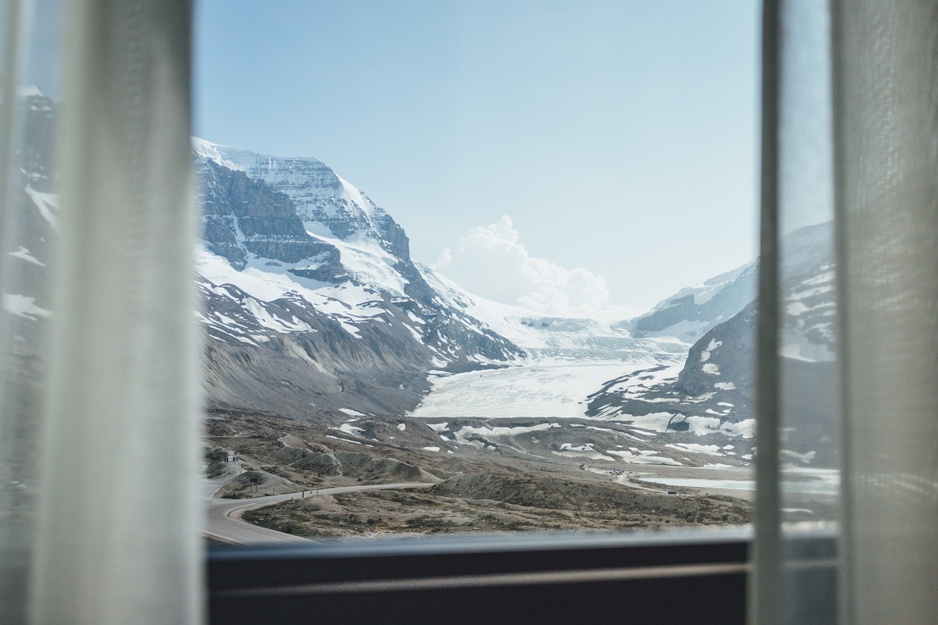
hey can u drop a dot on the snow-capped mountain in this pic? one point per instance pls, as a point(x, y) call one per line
point(807, 349)
point(725, 355)
point(691, 312)
point(302, 272)
point(326, 203)
point(717, 381)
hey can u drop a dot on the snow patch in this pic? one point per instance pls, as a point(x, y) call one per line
point(712, 450)
point(24, 306)
point(745, 428)
point(348, 428)
point(642, 458)
point(47, 203)
point(344, 440)
point(24, 254)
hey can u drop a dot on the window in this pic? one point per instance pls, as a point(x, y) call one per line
point(118, 399)
point(532, 172)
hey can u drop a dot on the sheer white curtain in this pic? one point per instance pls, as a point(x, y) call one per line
point(883, 127)
point(886, 112)
point(99, 507)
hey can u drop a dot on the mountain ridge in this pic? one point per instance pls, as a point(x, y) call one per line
point(304, 247)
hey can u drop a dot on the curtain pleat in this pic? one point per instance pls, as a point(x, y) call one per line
point(886, 111)
point(882, 107)
point(117, 534)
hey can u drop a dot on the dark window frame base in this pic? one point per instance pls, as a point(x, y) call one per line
point(694, 576)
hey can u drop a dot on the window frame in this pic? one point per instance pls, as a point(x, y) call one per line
point(696, 576)
point(670, 577)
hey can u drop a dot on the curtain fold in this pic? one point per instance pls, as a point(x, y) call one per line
point(886, 111)
point(867, 105)
point(100, 509)
point(765, 591)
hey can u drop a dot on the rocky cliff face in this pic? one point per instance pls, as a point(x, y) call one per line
point(242, 216)
point(723, 359)
point(325, 202)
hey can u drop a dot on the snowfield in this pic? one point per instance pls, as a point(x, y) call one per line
point(546, 388)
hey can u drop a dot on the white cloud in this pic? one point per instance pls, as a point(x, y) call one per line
point(491, 262)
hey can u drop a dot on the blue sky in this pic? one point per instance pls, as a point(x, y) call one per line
point(618, 138)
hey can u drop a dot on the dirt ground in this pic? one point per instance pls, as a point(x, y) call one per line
point(499, 504)
point(474, 490)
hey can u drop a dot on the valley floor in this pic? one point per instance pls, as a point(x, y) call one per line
point(510, 475)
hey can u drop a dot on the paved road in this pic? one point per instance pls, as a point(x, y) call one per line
point(224, 515)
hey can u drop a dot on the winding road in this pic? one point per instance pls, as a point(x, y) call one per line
point(224, 522)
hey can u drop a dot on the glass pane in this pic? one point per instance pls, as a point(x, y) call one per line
point(810, 392)
point(809, 376)
point(513, 288)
